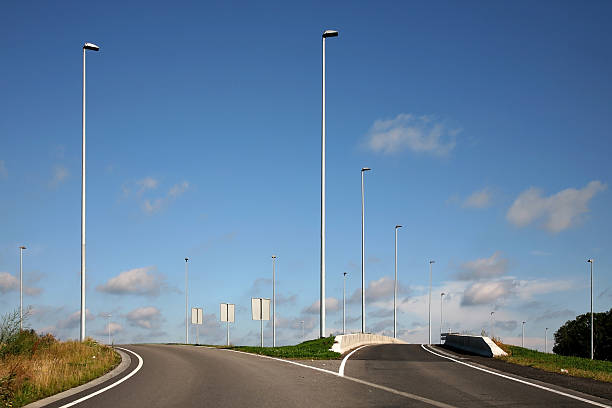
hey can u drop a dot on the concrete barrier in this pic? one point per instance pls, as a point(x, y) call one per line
point(346, 342)
point(483, 346)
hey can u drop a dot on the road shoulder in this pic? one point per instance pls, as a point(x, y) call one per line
point(582, 385)
point(125, 363)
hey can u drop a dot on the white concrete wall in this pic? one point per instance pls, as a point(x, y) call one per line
point(480, 345)
point(346, 342)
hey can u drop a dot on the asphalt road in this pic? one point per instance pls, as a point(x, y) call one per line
point(384, 376)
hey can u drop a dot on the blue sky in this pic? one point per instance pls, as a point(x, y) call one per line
point(486, 125)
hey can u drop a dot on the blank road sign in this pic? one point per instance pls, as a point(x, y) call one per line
point(260, 308)
point(227, 312)
point(196, 315)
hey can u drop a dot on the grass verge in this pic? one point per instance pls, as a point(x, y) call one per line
point(36, 367)
point(573, 366)
point(312, 349)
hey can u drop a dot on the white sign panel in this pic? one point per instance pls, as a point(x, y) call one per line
point(196, 315)
point(265, 305)
point(260, 308)
point(227, 312)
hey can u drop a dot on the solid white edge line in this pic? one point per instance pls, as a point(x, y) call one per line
point(520, 381)
point(100, 391)
point(357, 380)
point(344, 360)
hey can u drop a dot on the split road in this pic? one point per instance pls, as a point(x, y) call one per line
point(374, 376)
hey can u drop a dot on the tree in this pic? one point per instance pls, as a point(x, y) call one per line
point(574, 337)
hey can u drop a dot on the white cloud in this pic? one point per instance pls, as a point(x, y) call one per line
point(74, 320)
point(377, 290)
point(151, 206)
point(139, 187)
point(138, 281)
point(331, 305)
point(178, 189)
point(478, 199)
point(420, 134)
point(482, 293)
point(60, 173)
point(146, 317)
point(147, 183)
point(3, 171)
point(484, 268)
point(9, 283)
point(497, 291)
point(558, 211)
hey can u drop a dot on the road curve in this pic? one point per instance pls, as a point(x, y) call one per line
point(411, 368)
point(387, 376)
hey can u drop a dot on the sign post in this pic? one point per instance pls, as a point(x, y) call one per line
point(196, 318)
point(227, 315)
point(260, 308)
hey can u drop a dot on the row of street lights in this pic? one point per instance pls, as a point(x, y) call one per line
point(326, 34)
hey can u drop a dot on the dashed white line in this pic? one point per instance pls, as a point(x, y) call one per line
point(598, 404)
point(100, 391)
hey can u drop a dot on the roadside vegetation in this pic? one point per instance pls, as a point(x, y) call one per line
point(574, 366)
point(317, 349)
point(34, 366)
point(574, 337)
point(312, 349)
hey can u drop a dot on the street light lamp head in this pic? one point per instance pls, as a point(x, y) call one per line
point(398, 226)
point(432, 262)
point(22, 247)
point(366, 169)
point(442, 294)
point(273, 256)
point(186, 259)
point(330, 33)
point(590, 260)
point(90, 46)
point(345, 273)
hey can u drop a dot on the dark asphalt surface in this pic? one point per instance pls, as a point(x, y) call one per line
point(185, 376)
point(412, 369)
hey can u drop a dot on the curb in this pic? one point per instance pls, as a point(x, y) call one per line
point(125, 363)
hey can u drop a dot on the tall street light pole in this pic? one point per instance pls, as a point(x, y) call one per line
point(273, 301)
point(546, 340)
point(492, 324)
point(302, 323)
point(441, 298)
point(186, 304)
point(326, 34)
point(430, 264)
point(344, 303)
point(591, 262)
point(395, 288)
point(363, 315)
point(91, 47)
point(21, 248)
point(523, 336)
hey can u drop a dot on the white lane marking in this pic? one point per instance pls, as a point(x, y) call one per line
point(109, 386)
point(357, 380)
point(598, 404)
point(341, 370)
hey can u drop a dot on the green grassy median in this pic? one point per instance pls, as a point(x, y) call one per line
point(312, 349)
point(574, 366)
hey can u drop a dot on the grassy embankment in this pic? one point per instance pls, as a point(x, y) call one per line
point(575, 366)
point(312, 349)
point(33, 367)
